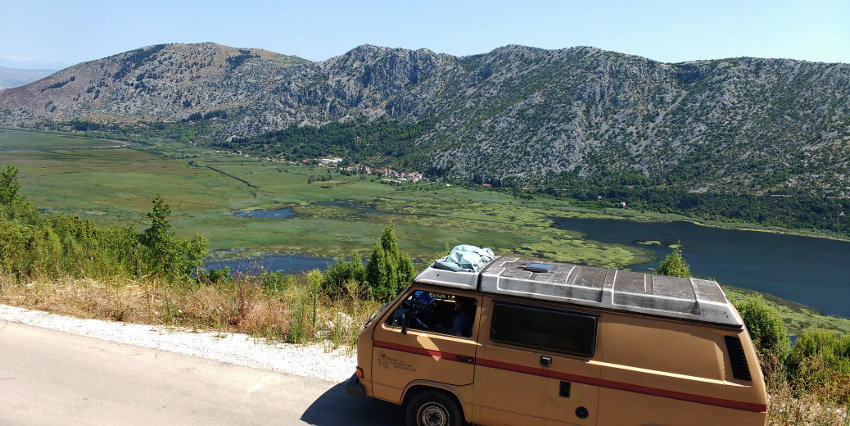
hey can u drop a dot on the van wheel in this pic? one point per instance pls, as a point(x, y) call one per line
point(431, 408)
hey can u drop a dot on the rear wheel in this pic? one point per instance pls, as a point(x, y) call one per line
point(432, 408)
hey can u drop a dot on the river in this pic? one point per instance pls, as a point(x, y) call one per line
point(811, 271)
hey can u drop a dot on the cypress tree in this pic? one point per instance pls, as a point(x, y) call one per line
point(674, 265)
point(389, 270)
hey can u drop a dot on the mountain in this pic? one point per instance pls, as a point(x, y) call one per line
point(515, 114)
point(13, 77)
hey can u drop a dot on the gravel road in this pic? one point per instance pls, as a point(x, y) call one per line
point(302, 360)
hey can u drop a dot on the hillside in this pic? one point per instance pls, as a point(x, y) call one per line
point(516, 114)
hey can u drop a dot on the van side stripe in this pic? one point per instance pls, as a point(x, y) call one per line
point(628, 387)
point(592, 381)
point(448, 356)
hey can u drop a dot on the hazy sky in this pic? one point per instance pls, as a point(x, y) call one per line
point(55, 34)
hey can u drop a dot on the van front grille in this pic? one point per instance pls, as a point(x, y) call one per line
point(737, 358)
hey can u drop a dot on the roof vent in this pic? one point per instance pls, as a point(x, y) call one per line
point(542, 268)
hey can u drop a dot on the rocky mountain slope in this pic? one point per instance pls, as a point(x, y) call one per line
point(516, 113)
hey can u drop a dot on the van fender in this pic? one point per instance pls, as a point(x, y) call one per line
point(461, 394)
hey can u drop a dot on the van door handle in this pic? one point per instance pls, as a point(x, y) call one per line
point(466, 359)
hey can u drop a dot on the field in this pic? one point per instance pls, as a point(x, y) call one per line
point(203, 188)
point(18, 139)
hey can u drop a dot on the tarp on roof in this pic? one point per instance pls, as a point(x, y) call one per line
point(465, 258)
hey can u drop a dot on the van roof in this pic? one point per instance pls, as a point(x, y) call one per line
point(681, 298)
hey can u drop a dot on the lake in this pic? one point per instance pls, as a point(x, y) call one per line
point(286, 213)
point(811, 271)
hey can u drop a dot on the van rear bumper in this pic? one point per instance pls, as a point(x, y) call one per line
point(354, 388)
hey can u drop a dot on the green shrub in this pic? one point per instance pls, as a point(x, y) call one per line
point(216, 276)
point(833, 347)
point(342, 272)
point(276, 282)
point(674, 266)
point(765, 326)
point(820, 365)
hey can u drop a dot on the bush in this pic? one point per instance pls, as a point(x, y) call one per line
point(340, 274)
point(215, 276)
point(820, 364)
point(766, 328)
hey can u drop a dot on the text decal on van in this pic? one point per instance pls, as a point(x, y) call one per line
point(388, 362)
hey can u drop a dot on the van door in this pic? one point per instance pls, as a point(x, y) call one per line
point(535, 366)
point(416, 341)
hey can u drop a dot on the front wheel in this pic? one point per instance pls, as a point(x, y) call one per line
point(432, 408)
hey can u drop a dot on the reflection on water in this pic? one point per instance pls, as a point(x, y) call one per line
point(812, 271)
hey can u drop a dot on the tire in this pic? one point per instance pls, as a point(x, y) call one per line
point(431, 408)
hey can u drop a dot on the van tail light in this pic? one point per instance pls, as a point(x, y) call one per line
point(359, 373)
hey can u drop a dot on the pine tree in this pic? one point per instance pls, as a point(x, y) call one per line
point(389, 270)
point(9, 186)
point(674, 265)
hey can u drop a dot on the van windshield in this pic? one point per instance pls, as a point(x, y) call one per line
point(436, 312)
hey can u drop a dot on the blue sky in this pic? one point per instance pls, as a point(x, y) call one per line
point(55, 34)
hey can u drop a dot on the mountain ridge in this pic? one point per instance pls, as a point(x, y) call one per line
point(517, 113)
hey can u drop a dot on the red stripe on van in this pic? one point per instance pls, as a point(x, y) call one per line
point(448, 356)
point(628, 387)
point(593, 381)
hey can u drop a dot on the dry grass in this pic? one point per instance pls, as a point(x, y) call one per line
point(796, 401)
point(292, 314)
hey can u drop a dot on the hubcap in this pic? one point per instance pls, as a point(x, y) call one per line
point(433, 414)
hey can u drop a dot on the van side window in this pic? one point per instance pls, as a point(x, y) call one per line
point(544, 329)
point(436, 312)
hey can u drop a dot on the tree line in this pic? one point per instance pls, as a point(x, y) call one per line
point(378, 141)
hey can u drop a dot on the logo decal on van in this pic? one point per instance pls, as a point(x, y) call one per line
point(388, 362)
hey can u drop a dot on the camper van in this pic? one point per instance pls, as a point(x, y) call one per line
point(513, 341)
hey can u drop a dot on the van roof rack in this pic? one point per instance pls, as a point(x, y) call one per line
point(690, 299)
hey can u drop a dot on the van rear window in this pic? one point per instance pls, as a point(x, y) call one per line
point(544, 329)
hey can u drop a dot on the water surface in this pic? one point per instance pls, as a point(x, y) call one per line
point(811, 271)
point(287, 264)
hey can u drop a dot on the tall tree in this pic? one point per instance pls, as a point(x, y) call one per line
point(168, 256)
point(674, 265)
point(9, 185)
point(389, 270)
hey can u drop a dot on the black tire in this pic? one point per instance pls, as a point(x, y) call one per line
point(431, 408)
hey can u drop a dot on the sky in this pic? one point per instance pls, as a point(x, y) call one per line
point(54, 34)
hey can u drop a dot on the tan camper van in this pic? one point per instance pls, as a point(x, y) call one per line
point(520, 342)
